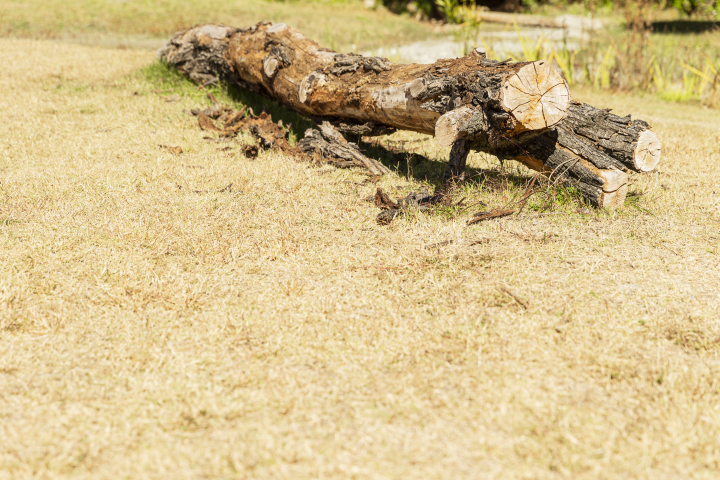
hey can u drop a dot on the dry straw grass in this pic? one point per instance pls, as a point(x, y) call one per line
point(152, 326)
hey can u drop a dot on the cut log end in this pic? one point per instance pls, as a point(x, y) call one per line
point(537, 96)
point(448, 126)
point(270, 67)
point(613, 200)
point(614, 179)
point(614, 190)
point(647, 151)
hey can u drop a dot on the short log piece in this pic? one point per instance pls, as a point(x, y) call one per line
point(562, 155)
point(629, 142)
point(593, 149)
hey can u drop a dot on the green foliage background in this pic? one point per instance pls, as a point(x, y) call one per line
point(443, 9)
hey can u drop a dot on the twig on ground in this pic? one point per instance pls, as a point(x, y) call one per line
point(527, 193)
point(173, 150)
point(479, 217)
point(519, 300)
point(479, 241)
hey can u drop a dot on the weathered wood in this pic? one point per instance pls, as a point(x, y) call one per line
point(414, 201)
point(629, 142)
point(449, 128)
point(329, 143)
point(455, 171)
point(592, 149)
point(506, 100)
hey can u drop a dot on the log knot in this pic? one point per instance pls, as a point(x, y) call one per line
point(279, 50)
point(279, 56)
point(308, 85)
point(428, 87)
point(440, 94)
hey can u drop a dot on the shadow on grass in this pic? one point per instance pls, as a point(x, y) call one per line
point(411, 165)
point(685, 26)
point(166, 79)
point(298, 123)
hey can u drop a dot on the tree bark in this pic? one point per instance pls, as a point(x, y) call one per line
point(592, 149)
point(557, 154)
point(502, 101)
point(629, 142)
point(329, 143)
point(455, 171)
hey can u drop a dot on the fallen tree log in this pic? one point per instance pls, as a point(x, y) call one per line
point(520, 111)
point(505, 101)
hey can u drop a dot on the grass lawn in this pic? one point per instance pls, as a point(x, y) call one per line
point(156, 324)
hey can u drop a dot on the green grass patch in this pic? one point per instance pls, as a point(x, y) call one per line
point(165, 79)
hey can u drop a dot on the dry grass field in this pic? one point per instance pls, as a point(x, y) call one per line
point(156, 324)
point(338, 24)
